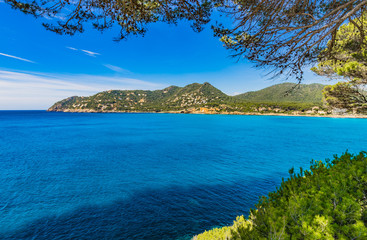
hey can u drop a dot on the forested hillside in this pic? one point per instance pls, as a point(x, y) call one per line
point(197, 98)
point(286, 92)
point(170, 98)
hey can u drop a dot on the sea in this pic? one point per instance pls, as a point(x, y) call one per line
point(150, 176)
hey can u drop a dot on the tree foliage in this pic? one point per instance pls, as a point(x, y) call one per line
point(346, 95)
point(329, 201)
point(133, 17)
point(286, 34)
point(347, 60)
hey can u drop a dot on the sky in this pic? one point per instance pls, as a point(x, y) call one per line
point(39, 67)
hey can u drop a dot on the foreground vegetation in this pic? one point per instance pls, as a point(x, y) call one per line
point(329, 201)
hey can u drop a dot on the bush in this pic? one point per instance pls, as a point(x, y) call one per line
point(329, 201)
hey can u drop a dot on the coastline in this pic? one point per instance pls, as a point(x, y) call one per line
point(221, 113)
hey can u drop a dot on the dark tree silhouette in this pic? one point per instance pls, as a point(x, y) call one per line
point(69, 17)
point(286, 35)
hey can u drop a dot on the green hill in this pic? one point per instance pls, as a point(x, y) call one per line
point(194, 97)
point(303, 93)
point(170, 98)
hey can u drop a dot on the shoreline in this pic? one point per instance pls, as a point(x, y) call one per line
point(357, 116)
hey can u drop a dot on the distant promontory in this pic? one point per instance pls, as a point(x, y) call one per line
point(284, 98)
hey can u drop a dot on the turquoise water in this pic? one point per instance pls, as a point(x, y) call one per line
point(150, 176)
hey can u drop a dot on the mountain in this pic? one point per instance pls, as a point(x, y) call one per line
point(170, 98)
point(197, 98)
point(302, 93)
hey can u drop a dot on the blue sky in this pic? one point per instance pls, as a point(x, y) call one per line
point(38, 67)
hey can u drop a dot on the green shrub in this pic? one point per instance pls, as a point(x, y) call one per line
point(329, 201)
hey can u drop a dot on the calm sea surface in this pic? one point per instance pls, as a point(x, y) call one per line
point(150, 176)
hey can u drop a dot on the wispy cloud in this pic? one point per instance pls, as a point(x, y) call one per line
point(90, 53)
point(115, 68)
point(15, 57)
point(34, 90)
point(71, 48)
point(87, 52)
point(235, 93)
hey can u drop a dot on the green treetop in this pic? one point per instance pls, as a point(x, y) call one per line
point(347, 60)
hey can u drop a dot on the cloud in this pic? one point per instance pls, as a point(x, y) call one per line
point(34, 90)
point(71, 48)
point(115, 68)
point(87, 52)
point(15, 57)
point(235, 93)
point(90, 53)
